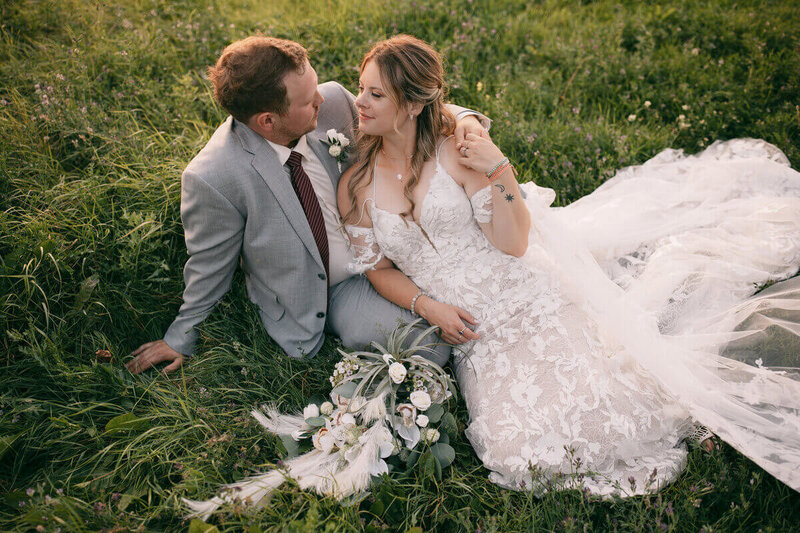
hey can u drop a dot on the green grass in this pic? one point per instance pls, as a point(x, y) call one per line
point(101, 107)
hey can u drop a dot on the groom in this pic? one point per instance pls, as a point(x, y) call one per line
point(262, 194)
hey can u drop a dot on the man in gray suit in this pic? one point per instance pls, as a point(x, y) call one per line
point(264, 189)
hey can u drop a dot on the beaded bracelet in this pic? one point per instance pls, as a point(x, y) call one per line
point(414, 302)
point(497, 173)
point(498, 165)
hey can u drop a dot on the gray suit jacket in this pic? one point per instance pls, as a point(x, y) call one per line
point(237, 200)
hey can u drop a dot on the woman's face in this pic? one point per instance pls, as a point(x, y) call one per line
point(376, 110)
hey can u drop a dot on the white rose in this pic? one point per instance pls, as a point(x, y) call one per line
point(335, 150)
point(387, 358)
point(408, 413)
point(310, 411)
point(422, 421)
point(421, 399)
point(326, 408)
point(431, 435)
point(397, 372)
point(331, 134)
point(343, 140)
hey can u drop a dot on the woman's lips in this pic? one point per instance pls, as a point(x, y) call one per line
point(363, 117)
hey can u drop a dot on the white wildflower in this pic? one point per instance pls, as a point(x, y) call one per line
point(431, 435)
point(631, 117)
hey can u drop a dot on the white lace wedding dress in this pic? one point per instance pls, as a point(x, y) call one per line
point(602, 345)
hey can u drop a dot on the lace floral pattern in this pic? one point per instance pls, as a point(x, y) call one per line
point(541, 386)
point(570, 374)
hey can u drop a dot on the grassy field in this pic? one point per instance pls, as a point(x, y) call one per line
point(103, 104)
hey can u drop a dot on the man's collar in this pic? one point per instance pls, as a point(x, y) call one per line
point(284, 152)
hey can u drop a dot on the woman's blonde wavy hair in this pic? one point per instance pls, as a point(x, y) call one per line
point(411, 72)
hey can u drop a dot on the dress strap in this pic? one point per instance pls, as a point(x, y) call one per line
point(439, 147)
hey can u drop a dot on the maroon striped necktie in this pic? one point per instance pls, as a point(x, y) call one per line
point(308, 199)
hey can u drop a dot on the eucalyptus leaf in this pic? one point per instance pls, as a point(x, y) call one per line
point(346, 389)
point(434, 413)
point(448, 425)
point(444, 453)
point(315, 421)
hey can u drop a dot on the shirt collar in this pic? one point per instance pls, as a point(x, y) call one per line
point(284, 151)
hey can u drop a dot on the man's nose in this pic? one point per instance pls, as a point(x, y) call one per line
point(320, 98)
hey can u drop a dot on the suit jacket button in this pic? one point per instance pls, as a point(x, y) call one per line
point(320, 314)
point(321, 276)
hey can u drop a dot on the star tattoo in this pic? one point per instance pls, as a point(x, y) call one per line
point(509, 197)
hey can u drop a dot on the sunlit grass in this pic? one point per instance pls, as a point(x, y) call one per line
point(102, 106)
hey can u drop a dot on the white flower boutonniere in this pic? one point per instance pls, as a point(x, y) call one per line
point(338, 146)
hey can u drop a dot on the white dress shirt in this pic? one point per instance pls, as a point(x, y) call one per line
point(338, 250)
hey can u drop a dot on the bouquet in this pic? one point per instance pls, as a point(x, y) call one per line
point(387, 411)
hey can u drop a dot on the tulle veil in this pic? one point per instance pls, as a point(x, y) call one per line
point(666, 258)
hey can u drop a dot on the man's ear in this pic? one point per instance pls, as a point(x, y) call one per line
point(262, 123)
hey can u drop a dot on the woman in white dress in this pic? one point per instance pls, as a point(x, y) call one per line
point(589, 337)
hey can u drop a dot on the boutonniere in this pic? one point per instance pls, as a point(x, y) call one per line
point(338, 146)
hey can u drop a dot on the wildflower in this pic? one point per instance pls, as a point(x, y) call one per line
point(99, 507)
point(685, 107)
point(632, 481)
point(631, 117)
point(647, 103)
point(431, 435)
point(30, 492)
point(695, 51)
point(576, 110)
point(479, 86)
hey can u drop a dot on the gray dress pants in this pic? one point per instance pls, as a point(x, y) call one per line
point(358, 315)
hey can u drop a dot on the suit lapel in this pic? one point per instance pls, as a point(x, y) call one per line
point(266, 163)
point(317, 142)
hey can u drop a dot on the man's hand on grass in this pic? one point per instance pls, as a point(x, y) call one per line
point(152, 353)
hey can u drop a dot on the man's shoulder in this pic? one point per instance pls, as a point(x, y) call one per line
point(223, 152)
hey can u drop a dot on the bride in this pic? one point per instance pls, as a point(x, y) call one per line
point(593, 339)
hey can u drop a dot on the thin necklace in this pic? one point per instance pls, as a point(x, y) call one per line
point(398, 175)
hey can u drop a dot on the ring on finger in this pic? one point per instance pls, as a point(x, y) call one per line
point(461, 331)
point(464, 150)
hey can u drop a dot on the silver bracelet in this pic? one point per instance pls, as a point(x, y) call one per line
point(414, 302)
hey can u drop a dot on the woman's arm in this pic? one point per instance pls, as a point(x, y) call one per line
point(511, 221)
point(398, 288)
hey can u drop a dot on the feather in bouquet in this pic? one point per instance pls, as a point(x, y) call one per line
point(387, 410)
